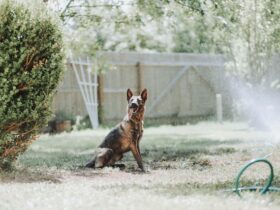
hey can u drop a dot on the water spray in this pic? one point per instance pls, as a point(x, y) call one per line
point(262, 110)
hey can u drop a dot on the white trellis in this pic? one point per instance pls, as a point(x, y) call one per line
point(86, 76)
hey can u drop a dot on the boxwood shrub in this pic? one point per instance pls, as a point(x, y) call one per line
point(31, 65)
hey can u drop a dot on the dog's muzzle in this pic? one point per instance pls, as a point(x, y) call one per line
point(134, 107)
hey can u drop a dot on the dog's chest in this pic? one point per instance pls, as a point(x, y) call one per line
point(136, 132)
point(132, 131)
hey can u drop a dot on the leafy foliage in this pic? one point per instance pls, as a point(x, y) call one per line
point(246, 31)
point(31, 64)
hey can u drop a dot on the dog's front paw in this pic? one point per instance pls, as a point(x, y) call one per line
point(144, 170)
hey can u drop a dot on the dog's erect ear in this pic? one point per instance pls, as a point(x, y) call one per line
point(144, 94)
point(129, 94)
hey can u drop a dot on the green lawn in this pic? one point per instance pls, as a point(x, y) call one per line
point(188, 166)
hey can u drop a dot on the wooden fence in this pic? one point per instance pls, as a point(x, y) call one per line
point(179, 85)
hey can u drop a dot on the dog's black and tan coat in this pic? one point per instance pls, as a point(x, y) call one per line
point(125, 136)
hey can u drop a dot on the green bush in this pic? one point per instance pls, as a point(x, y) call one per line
point(31, 65)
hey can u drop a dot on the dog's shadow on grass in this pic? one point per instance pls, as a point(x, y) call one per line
point(126, 167)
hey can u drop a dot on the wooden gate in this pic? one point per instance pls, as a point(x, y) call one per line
point(179, 85)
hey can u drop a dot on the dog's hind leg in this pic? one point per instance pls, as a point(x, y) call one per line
point(114, 159)
point(101, 158)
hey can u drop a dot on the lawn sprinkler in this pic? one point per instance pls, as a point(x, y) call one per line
point(262, 190)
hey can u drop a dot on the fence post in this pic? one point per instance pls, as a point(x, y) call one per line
point(219, 108)
point(100, 90)
point(139, 77)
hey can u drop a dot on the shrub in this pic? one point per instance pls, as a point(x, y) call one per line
point(31, 65)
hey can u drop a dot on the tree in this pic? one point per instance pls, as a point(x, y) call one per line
point(246, 31)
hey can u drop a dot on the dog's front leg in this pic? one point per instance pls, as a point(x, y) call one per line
point(137, 155)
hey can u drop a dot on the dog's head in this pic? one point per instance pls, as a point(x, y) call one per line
point(136, 104)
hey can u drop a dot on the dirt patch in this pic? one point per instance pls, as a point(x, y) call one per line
point(29, 176)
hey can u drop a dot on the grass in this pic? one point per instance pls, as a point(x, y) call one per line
point(67, 154)
point(189, 167)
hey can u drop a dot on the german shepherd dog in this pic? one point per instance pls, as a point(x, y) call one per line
point(125, 136)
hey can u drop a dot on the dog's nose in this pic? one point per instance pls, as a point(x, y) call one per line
point(133, 105)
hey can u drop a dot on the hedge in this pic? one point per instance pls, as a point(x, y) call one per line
point(31, 65)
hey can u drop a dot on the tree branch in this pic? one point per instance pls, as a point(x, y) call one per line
point(101, 5)
point(62, 15)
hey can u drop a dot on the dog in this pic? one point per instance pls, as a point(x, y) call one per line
point(125, 136)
